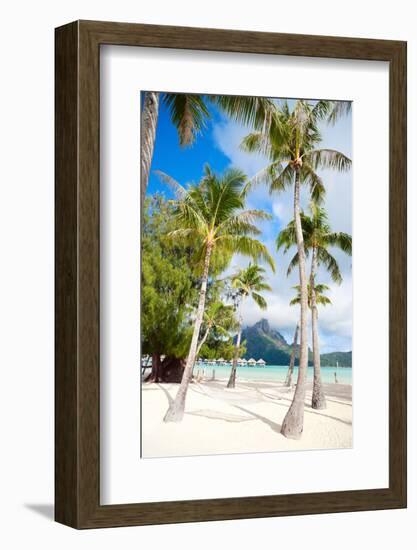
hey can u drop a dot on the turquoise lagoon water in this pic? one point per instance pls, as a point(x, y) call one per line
point(276, 372)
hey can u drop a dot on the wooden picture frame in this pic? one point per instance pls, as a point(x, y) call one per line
point(77, 374)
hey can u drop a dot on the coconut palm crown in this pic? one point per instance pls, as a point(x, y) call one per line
point(250, 282)
point(318, 236)
point(292, 145)
point(320, 290)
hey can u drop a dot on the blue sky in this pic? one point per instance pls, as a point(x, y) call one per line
point(219, 146)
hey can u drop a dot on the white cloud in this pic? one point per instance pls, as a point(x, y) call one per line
point(227, 137)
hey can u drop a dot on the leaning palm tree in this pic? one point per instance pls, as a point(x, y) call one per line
point(211, 217)
point(189, 113)
point(217, 316)
point(318, 237)
point(248, 282)
point(292, 146)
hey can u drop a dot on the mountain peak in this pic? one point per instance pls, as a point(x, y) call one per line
point(264, 342)
point(263, 325)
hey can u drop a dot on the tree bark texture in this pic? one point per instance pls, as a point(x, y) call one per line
point(175, 412)
point(318, 400)
point(288, 380)
point(148, 132)
point(293, 423)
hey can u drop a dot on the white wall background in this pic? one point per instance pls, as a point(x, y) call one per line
point(26, 273)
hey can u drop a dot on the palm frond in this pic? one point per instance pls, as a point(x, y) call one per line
point(340, 109)
point(253, 111)
point(259, 300)
point(326, 259)
point(257, 142)
point(317, 189)
point(178, 189)
point(320, 288)
point(243, 222)
point(322, 300)
point(328, 159)
point(322, 109)
point(283, 179)
point(188, 113)
point(293, 263)
point(340, 240)
point(242, 244)
point(286, 237)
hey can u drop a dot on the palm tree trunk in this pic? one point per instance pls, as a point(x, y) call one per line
point(148, 132)
point(175, 412)
point(318, 400)
point(156, 368)
point(232, 379)
point(201, 344)
point(288, 380)
point(292, 426)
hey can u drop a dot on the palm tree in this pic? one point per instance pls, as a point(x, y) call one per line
point(318, 237)
point(288, 379)
point(319, 291)
point(248, 282)
point(217, 316)
point(189, 113)
point(291, 144)
point(211, 216)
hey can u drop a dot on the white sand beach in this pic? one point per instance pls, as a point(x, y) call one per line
point(245, 419)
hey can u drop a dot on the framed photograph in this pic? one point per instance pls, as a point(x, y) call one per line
point(230, 274)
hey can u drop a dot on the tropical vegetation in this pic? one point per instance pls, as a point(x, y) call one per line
point(191, 304)
point(211, 217)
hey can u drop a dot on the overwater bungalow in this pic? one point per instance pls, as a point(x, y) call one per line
point(261, 362)
point(252, 362)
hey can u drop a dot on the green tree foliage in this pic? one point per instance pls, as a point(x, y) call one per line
point(168, 284)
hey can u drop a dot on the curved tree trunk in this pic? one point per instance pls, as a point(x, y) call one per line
point(175, 412)
point(148, 131)
point(232, 379)
point(292, 426)
point(318, 400)
point(288, 380)
point(201, 344)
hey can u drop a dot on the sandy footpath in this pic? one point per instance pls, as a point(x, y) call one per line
point(246, 419)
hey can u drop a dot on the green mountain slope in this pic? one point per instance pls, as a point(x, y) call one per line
point(264, 342)
point(344, 358)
